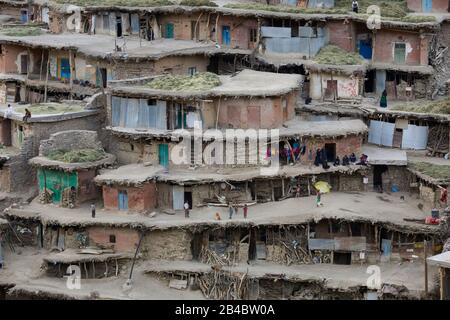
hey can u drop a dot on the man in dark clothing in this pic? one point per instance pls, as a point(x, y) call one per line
point(345, 161)
point(93, 210)
point(352, 158)
point(355, 6)
point(318, 159)
point(337, 161)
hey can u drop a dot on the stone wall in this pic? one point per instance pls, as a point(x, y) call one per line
point(70, 140)
point(169, 244)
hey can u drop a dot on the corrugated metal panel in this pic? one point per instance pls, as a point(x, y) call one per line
point(178, 197)
point(115, 111)
point(275, 32)
point(415, 137)
point(321, 4)
point(350, 244)
point(136, 113)
point(321, 244)
point(306, 32)
point(381, 133)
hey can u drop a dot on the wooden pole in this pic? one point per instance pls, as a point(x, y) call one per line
point(442, 283)
point(46, 78)
point(426, 266)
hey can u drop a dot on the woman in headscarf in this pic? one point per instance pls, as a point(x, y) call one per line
point(383, 99)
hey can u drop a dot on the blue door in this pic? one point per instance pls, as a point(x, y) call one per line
point(164, 155)
point(226, 35)
point(427, 5)
point(123, 200)
point(65, 68)
point(24, 16)
point(169, 31)
point(386, 246)
point(365, 49)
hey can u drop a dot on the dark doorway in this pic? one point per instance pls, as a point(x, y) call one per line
point(24, 64)
point(103, 77)
point(119, 27)
point(196, 245)
point(330, 151)
point(188, 198)
point(342, 257)
point(378, 171)
point(369, 83)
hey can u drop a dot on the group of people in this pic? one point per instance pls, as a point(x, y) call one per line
point(9, 111)
point(347, 160)
point(232, 209)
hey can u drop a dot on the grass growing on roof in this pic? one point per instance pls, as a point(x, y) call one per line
point(393, 8)
point(199, 81)
point(283, 8)
point(436, 107)
point(137, 3)
point(435, 171)
point(77, 156)
point(337, 56)
point(50, 108)
point(22, 31)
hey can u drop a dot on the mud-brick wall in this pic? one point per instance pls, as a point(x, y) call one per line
point(416, 47)
point(344, 146)
point(126, 239)
point(256, 113)
point(437, 5)
point(139, 198)
point(128, 151)
point(342, 35)
point(171, 244)
point(181, 64)
point(240, 31)
point(9, 58)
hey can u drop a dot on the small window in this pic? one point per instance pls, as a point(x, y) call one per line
point(151, 102)
point(399, 52)
point(253, 35)
point(192, 71)
point(112, 238)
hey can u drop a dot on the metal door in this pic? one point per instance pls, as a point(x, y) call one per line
point(164, 155)
point(123, 200)
point(427, 5)
point(178, 197)
point(169, 31)
point(226, 35)
point(64, 68)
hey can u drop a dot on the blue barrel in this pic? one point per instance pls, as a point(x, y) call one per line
point(435, 213)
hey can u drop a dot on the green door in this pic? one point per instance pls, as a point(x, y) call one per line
point(164, 154)
point(400, 53)
point(56, 181)
point(169, 31)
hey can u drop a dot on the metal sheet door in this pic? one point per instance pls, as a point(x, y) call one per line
point(123, 200)
point(164, 154)
point(427, 5)
point(226, 35)
point(178, 197)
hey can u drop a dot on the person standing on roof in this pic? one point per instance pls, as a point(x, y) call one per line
point(230, 210)
point(186, 209)
point(9, 111)
point(355, 6)
point(93, 210)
